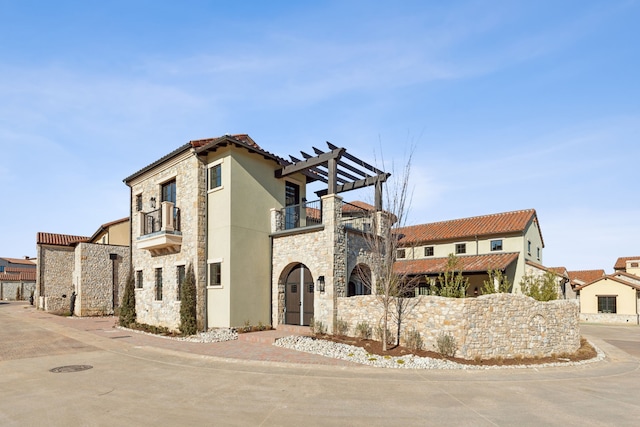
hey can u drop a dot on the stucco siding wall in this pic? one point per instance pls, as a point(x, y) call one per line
point(496, 325)
point(626, 301)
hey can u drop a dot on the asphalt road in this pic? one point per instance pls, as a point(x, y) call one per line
point(143, 382)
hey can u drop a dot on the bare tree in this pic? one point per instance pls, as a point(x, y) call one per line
point(391, 287)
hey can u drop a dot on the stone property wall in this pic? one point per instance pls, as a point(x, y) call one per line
point(9, 290)
point(496, 325)
point(93, 277)
point(612, 318)
point(54, 279)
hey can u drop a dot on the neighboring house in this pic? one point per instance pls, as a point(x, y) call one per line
point(503, 241)
point(611, 299)
point(96, 271)
point(563, 289)
point(17, 278)
point(582, 277)
point(629, 265)
point(261, 252)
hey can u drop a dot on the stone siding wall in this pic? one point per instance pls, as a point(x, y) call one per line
point(189, 174)
point(9, 290)
point(55, 277)
point(497, 325)
point(94, 274)
point(618, 319)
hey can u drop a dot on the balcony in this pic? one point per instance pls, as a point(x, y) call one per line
point(302, 215)
point(160, 230)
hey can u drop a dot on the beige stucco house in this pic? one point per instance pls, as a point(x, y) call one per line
point(510, 242)
point(611, 299)
point(95, 268)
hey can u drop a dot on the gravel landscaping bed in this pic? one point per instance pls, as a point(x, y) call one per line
point(359, 355)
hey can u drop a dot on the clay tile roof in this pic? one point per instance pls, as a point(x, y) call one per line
point(619, 279)
point(241, 140)
point(59, 239)
point(468, 263)
point(621, 263)
point(585, 276)
point(19, 261)
point(357, 206)
point(487, 225)
point(23, 276)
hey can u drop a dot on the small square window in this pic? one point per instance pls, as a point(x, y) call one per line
point(461, 248)
point(633, 265)
point(428, 251)
point(215, 274)
point(496, 245)
point(215, 176)
point(401, 253)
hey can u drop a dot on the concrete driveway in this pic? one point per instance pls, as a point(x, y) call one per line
point(144, 381)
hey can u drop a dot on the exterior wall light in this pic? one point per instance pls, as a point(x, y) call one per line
point(321, 284)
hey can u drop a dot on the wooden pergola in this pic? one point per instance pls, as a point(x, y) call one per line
point(340, 170)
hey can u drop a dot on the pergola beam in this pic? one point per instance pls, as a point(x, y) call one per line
point(309, 163)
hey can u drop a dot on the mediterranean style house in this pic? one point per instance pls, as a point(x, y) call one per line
point(510, 242)
point(95, 268)
point(613, 298)
point(17, 278)
point(261, 251)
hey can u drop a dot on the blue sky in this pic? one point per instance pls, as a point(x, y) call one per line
point(510, 105)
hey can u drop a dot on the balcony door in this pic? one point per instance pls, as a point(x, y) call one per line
point(169, 192)
point(292, 206)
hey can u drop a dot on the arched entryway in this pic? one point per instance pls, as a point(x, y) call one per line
point(298, 296)
point(360, 281)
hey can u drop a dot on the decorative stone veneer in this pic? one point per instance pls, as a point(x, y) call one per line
point(94, 275)
point(54, 277)
point(496, 325)
point(619, 319)
point(189, 174)
point(328, 250)
point(9, 290)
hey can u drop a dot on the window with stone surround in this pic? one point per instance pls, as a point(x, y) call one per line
point(158, 284)
point(138, 202)
point(180, 275)
point(139, 279)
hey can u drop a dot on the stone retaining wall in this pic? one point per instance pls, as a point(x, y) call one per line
point(490, 326)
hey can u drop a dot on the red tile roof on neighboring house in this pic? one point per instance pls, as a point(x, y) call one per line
point(357, 206)
point(22, 276)
point(558, 271)
point(22, 261)
point(621, 263)
point(585, 276)
point(487, 225)
point(468, 264)
point(59, 239)
point(619, 279)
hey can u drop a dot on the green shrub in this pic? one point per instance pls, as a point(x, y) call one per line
point(413, 339)
point(188, 322)
point(342, 327)
point(446, 344)
point(489, 287)
point(127, 312)
point(391, 339)
point(363, 330)
point(540, 288)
